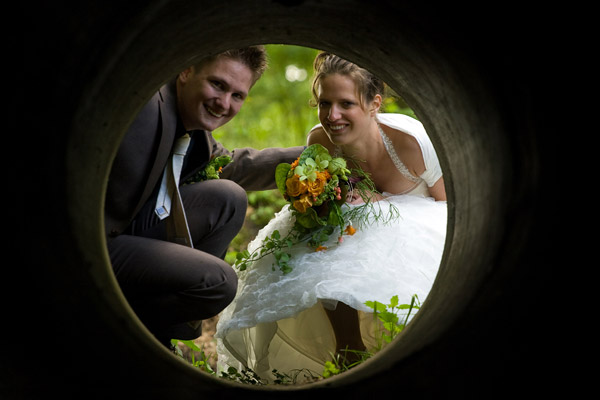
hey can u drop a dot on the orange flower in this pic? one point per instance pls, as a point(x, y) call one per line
point(321, 248)
point(303, 203)
point(295, 163)
point(295, 187)
point(350, 230)
point(316, 188)
point(324, 174)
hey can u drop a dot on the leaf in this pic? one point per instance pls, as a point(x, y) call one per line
point(281, 173)
point(191, 345)
point(310, 162)
point(337, 165)
point(406, 306)
point(329, 369)
point(394, 301)
point(222, 161)
point(309, 219)
point(335, 217)
point(322, 164)
point(313, 151)
point(388, 317)
point(286, 269)
point(376, 306)
point(281, 256)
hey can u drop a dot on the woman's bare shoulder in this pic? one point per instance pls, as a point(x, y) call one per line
point(318, 135)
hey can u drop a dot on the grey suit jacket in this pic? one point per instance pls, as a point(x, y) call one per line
point(145, 150)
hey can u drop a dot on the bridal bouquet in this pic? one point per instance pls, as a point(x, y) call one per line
point(315, 186)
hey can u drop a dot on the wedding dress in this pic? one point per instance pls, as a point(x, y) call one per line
point(278, 321)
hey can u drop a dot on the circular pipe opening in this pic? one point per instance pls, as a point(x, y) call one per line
point(449, 94)
point(417, 72)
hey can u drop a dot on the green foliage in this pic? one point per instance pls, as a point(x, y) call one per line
point(391, 326)
point(211, 171)
point(330, 369)
point(264, 205)
point(281, 174)
point(273, 244)
point(388, 316)
point(202, 362)
point(277, 110)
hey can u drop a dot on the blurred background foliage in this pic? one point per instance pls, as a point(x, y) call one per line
point(277, 113)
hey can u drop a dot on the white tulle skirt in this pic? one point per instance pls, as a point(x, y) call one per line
point(279, 322)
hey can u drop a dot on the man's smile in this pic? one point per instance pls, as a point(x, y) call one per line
point(213, 112)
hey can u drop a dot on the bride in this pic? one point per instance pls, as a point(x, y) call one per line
point(302, 319)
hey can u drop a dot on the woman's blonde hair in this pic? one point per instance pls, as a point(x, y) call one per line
point(367, 84)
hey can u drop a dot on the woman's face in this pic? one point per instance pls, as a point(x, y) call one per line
point(340, 110)
point(211, 96)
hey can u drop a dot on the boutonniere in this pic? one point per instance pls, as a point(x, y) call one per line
point(212, 170)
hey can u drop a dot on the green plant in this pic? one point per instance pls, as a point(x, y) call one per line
point(391, 326)
point(387, 314)
point(202, 362)
point(341, 363)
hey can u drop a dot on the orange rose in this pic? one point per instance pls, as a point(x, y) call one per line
point(325, 175)
point(303, 203)
point(316, 188)
point(295, 187)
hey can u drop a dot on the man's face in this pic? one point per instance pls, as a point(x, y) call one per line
point(211, 96)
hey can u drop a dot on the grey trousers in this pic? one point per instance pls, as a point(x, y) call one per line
point(169, 285)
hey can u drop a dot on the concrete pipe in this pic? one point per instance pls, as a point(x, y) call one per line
point(89, 66)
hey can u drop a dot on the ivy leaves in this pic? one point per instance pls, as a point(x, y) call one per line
point(273, 244)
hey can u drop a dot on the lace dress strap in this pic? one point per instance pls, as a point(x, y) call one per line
point(394, 156)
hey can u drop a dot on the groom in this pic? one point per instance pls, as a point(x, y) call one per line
point(173, 286)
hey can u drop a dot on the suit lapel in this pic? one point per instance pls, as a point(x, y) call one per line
point(168, 122)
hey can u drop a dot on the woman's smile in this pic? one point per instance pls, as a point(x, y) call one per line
point(337, 129)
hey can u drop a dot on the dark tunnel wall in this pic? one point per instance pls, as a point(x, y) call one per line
point(478, 87)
